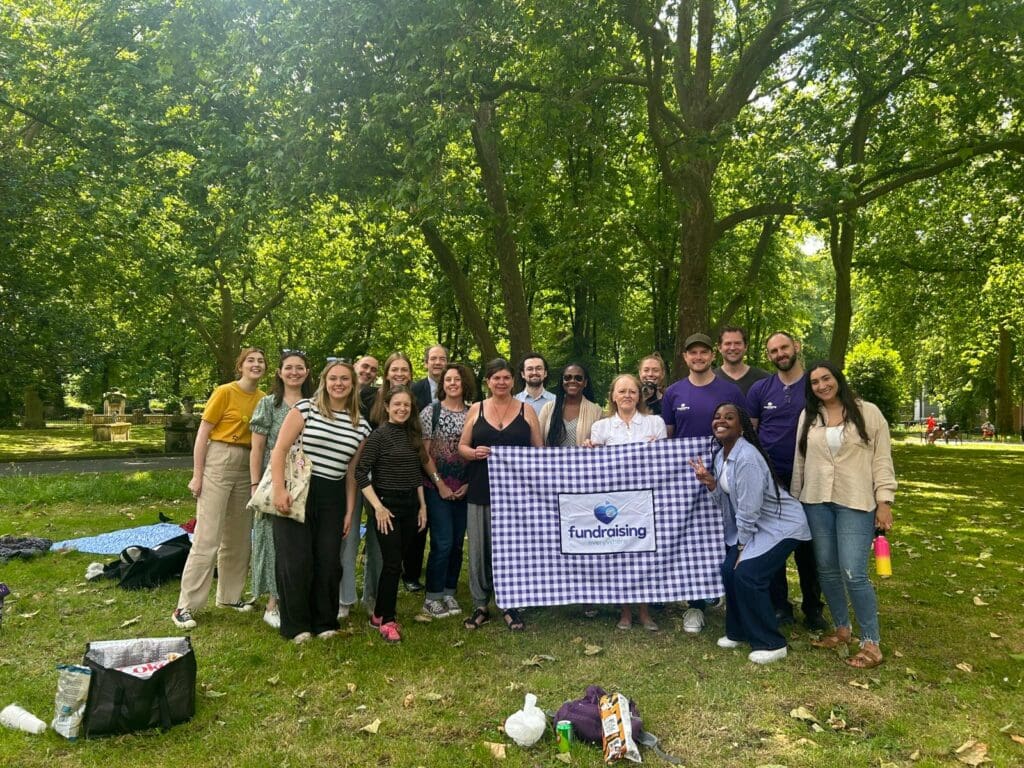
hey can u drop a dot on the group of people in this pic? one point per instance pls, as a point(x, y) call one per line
point(800, 466)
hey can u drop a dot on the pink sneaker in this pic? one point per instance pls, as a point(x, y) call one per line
point(389, 632)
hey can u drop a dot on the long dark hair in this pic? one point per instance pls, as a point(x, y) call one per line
point(750, 435)
point(812, 407)
point(277, 390)
point(556, 428)
point(412, 427)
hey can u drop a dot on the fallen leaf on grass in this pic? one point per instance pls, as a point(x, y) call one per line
point(994, 636)
point(362, 708)
point(592, 650)
point(911, 673)
point(836, 722)
point(537, 660)
point(497, 750)
point(897, 654)
point(111, 601)
point(212, 694)
point(458, 643)
point(409, 700)
point(300, 694)
point(1006, 728)
point(915, 755)
point(972, 752)
point(371, 727)
point(129, 622)
point(432, 696)
point(802, 713)
point(1015, 737)
point(963, 666)
point(859, 684)
point(816, 727)
point(29, 615)
point(422, 618)
point(577, 640)
point(978, 601)
point(351, 687)
point(565, 757)
point(274, 680)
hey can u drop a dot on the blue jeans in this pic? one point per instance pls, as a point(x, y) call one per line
point(842, 542)
point(749, 614)
point(447, 523)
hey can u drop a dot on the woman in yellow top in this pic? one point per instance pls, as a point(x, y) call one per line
point(220, 485)
point(843, 474)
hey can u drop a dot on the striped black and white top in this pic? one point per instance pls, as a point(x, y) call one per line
point(330, 444)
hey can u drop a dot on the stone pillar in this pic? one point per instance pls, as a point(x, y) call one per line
point(33, 418)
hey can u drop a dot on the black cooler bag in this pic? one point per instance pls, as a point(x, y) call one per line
point(138, 684)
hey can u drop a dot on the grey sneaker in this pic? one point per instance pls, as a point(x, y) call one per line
point(241, 606)
point(452, 605)
point(182, 617)
point(693, 620)
point(435, 609)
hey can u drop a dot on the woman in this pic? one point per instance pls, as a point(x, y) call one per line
point(389, 472)
point(308, 566)
point(291, 384)
point(446, 490)
point(843, 474)
point(763, 524)
point(397, 372)
point(498, 420)
point(567, 421)
point(220, 486)
point(628, 422)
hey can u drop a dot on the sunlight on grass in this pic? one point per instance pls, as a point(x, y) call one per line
point(66, 442)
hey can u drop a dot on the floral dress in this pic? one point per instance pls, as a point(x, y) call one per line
point(266, 420)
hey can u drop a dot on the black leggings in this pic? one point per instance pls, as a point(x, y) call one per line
point(394, 545)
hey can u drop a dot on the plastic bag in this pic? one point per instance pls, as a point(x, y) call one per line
point(69, 704)
point(526, 726)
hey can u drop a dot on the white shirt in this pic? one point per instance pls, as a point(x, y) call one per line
point(614, 431)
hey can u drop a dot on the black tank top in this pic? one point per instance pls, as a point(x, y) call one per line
point(516, 432)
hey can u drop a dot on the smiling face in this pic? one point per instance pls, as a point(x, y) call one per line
point(534, 372)
point(725, 424)
point(732, 346)
point(452, 384)
point(824, 385)
point(625, 395)
point(398, 373)
point(573, 380)
point(399, 407)
point(293, 371)
point(437, 359)
point(366, 370)
point(698, 358)
point(500, 383)
point(652, 371)
point(782, 351)
point(252, 366)
point(338, 383)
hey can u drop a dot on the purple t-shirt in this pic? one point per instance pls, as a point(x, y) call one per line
point(688, 408)
point(777, 408)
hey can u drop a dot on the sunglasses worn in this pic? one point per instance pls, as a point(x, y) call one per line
point(577, 377)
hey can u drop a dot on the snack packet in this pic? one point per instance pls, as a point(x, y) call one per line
point(617, 729)
point(69, 704)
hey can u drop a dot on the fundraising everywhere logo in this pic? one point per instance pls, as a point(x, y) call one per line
point(625, 522)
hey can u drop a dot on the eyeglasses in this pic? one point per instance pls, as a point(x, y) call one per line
point(339, 360)
point(577, 377)
point(285, 352)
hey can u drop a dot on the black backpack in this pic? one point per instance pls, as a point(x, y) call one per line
point(145, 568)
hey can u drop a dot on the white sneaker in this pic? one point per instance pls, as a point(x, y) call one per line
point(182, 618)
point(327, 634)
point(302, 637)
point(693, 620)
point(726, 642)
point(767, 657)
point(273, 618)
point(343, 611)
point(452, 605)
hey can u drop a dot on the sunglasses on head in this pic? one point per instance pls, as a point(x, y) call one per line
point(339, 360)
point(285, 352)
point(577, 377)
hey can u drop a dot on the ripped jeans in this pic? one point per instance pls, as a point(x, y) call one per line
point(842, 543)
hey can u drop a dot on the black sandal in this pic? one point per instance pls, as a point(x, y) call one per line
point(478, 619)
point(513, 620)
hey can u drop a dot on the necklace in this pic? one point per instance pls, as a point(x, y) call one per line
point(501, 421)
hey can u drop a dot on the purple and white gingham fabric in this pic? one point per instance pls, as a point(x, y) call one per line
point(529, 567)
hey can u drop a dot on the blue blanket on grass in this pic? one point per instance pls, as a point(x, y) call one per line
point(113, 542)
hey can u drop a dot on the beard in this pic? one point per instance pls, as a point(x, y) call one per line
point(785, 364)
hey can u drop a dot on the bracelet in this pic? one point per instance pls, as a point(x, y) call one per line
point(436, 477)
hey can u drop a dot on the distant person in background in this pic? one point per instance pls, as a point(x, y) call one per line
point(568, 420)
point(628, 422)
point(843, 474)
point(428, 389)
point(652, 382)
point(366, 370)
point(220, 486)
point(309, 553)
point(291, 384)
point(533, 370)
point(732, 345)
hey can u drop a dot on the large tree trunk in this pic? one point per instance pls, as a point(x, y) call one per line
point(696, 239)
point(485, 141)
point(841, 241)
point(1004, 392)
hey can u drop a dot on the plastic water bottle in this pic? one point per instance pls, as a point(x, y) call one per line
point(883, 555)
point(19, 719)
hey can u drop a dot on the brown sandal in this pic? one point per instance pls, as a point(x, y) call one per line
point(865, 659)
point(836, 638)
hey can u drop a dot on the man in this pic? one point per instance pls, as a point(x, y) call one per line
point(732, 344)
point(775, 404)
point(652, 382)
point(425, 390)
point(366, 372)
point(533, 370)
point(687, 408)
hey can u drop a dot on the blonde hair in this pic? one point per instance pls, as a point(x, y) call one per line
point(378, 413)
point(322, 400)
point(611, 409)
point(246, 351)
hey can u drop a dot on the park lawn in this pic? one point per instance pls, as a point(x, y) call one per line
point(952, 624)
point(75, 442)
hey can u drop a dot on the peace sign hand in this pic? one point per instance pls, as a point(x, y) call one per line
point(702, 473)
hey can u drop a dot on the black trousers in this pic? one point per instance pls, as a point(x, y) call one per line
point(394, 546)
point(412, 561)
point(807, 570)
point(308, 567)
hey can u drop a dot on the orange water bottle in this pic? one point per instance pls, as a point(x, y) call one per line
point(883, 556)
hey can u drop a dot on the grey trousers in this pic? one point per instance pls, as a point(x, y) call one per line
point(372, 564)
point(481, 579)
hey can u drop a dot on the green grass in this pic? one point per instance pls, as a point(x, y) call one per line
point(75, 442)
point(265, 702)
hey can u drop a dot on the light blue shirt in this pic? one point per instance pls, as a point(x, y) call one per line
point(536, 402)
point(751, 515)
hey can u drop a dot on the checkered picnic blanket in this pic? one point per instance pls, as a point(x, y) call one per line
point(529, 567)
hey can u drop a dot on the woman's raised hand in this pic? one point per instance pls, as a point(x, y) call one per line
point(703, 476)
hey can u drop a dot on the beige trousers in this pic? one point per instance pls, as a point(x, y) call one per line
point(223, 529)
